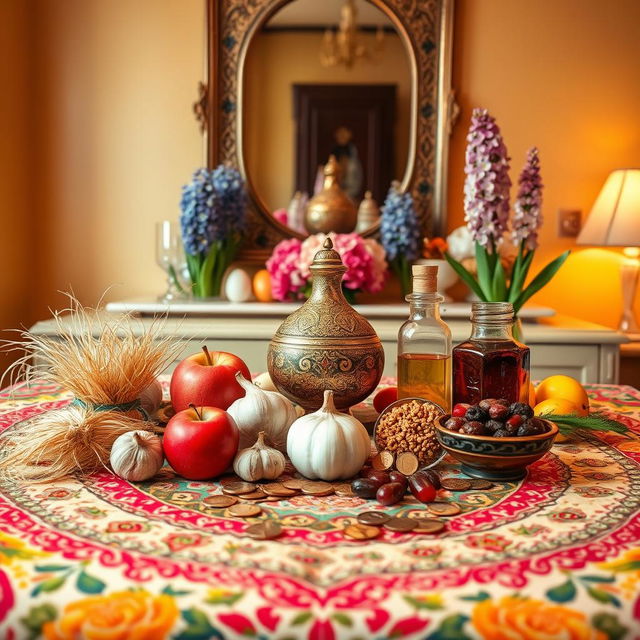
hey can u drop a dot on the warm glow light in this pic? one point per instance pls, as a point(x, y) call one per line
point(614, 220)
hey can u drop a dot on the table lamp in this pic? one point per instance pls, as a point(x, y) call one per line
point(614, 221)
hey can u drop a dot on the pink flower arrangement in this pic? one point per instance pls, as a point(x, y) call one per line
point(290, 261)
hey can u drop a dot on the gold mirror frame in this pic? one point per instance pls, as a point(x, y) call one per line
point(426, 29)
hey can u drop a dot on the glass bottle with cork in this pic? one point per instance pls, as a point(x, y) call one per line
point(491, 363)
point(424, 343)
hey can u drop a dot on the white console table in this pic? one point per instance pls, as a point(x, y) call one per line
point(559, 344)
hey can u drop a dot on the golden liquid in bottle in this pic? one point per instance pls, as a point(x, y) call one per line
point(425, 375)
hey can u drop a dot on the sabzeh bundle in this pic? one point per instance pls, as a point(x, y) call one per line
point(107, 366)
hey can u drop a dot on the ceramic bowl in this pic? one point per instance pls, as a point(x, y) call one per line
point(495, 458)
point(424, 464)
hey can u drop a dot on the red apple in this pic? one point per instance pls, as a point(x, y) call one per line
point(207, 379)
point(200, 443)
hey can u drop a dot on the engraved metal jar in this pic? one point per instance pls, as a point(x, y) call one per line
point(326, 344)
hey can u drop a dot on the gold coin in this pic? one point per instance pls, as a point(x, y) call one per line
point(361, 531)
point(278, 489)
point(266, 530)
point(382, 461)
point(428, 525)
point(401, 524)
point(238, 488)
point(254, 495)
point(244, 510)
point(444, 508)
point(373, 517)
point(479, 483)
point(294, 483)
point(407, 463)
point(343, 490)
point(219, 502)
point(317, 488)
point(455, 484)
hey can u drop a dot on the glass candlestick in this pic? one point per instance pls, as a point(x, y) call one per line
point(170, 258)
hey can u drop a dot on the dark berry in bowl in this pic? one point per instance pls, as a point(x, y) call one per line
point(493, 425)
point(501, 433)
point(454, 423)
point(487, 403)
point(474, 428)
point(504, 402)
point(515, 421)
point(498, 412)
point(476, 413)
point(511, 428)
point(521, 409)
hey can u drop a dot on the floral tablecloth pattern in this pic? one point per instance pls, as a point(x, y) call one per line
point(554, 556)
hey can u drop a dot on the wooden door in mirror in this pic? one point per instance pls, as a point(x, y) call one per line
point(425, 29)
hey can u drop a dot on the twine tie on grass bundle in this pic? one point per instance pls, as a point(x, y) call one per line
point(134, 405)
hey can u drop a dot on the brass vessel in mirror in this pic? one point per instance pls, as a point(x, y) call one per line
point(326, 344)
point(332, 209)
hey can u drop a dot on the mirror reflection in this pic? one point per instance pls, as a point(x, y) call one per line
point(326, 112)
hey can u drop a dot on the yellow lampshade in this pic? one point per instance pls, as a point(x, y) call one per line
point(614, 220)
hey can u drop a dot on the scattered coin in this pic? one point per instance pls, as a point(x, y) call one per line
point(479, 483)
point(238, 488)
point(401, 524)
point(220, 502)
point(361, 531)
point(428, 525)
point(382, 461)
point(294, 483)
point(254, 495)
point(317, 488)
point(344, 490)
point(373, 517)
point(266, 530)
point(444, 508)
point(407, 463)
point(245, 510)
point(278, 489)
point(455, 484)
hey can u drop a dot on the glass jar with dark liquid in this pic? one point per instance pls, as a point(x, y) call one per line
point(491, 363)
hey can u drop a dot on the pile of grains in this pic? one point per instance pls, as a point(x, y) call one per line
point(409, 427)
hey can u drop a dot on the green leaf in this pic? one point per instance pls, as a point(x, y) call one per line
point(609, 625)
point(36, 618)
point(198, 627)
point(562, 593)
point(479, 597)
point(519, 276)
point(451, 628)
point(633, 565)
point(47, 586)
point(301, 618)
point(230, 598)
point(598, 578)
point(594, 422)
point(485, 273)
point(603, 596)
point(194, 263)
point(170, 591)
point(89, 584)
point(499, 283)
point(46, 568)
point(343, 619)
point(466, 277)
point(540, 280)
point(418, 603)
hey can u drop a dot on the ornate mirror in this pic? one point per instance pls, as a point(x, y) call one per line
point(294, 83)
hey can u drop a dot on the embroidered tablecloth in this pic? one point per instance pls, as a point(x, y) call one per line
point(555, 554)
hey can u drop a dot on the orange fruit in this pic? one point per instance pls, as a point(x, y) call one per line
point(565, 388)
point(532, 395)
point(558, 407)
point(262, 286)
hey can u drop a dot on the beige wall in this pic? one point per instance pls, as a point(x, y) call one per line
point(278, 60)
point(113, 136)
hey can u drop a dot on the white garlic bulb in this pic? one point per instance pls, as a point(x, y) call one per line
point(136, 455)
point(261, 410)
point(151, 397)
point(259, 461)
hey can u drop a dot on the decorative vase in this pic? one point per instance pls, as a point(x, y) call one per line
point(331, 209)
point(326, 344)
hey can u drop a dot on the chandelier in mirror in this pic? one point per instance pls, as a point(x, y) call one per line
point(345, 46)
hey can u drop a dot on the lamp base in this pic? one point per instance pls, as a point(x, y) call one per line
point(629, 274)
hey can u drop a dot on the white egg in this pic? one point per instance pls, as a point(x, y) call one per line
point(238, 287)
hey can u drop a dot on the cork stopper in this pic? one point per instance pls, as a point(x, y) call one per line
point(425, 278)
